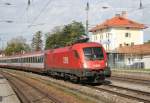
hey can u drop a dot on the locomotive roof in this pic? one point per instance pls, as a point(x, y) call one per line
point(63, 49)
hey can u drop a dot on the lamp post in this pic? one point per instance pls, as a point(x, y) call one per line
point(1, 40)
point(6, 21)
point(7, 4)
point(87, 14)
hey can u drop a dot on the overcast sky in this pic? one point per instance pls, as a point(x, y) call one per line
point(44, 15)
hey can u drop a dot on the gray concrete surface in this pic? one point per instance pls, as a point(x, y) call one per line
point(7, 95)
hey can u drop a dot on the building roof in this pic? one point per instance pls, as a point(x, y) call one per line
point(118, 21)
point(143, 49)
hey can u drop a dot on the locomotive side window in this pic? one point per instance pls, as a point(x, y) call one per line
point(76, 54)
point(93, 53)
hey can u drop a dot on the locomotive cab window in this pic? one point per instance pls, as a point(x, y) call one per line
point(93, 53)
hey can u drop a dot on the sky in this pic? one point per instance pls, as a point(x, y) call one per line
point(44, 15)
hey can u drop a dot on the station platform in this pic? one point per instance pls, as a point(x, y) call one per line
point(7, 95)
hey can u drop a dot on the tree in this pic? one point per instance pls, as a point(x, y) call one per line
point(37, 41)
point(148, 42)
point(62, 36)
point(16, 45)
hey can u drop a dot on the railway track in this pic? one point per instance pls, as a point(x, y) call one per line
point(29, 92)
point(133, 80)
point(111, 89)
point(140, 96)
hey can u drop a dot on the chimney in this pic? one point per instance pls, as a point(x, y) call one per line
point(124, 14)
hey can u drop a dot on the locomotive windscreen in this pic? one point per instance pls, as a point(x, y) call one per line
point(93, 53)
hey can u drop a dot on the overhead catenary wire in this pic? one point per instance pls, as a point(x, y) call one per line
point(37, 17)
point(42, 10)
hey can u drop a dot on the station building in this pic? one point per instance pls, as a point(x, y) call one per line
point(117, 33)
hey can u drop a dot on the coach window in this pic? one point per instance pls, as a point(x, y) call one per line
point(38, 59)
point(26, 59)
point(29, 59)
point(21, 60)
point(33, 59)
point(41, 59)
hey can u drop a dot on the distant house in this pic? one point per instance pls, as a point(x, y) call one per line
point(136, 56)
point(117, 32)
point(1, 53)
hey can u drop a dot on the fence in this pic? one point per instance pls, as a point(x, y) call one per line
point(125, 61)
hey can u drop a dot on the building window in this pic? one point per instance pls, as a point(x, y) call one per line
point(107, 46)
point(132, 43)
point(96, 37)
point(101, 36)
point(127, 35)
point(108, 35)
point(126, 44)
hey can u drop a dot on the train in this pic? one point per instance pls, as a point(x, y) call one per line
point(85, 62)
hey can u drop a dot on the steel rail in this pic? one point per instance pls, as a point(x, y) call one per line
point(119, 93)
point(146, 82)
point(36, 88)
point(21, 96)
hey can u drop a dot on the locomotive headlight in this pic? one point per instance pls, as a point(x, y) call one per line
point(106, 64)
point(84, 65)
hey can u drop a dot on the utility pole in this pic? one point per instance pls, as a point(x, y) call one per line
point(87, 13)
point(141, 5)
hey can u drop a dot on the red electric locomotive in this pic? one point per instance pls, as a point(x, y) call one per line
point(82, 61)
point(79, 62)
